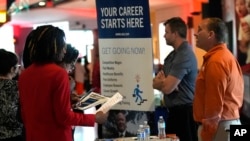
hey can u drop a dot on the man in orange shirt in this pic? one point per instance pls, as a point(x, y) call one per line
point(219, 85)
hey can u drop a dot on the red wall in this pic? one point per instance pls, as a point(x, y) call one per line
point(20, 34)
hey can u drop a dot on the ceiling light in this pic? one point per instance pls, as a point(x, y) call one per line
point(42, 3)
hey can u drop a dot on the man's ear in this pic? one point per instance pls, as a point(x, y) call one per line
point(211, 34)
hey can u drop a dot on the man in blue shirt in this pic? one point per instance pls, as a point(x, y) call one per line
point(177, 81)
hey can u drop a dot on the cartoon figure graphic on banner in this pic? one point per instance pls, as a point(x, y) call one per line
point(137, 92)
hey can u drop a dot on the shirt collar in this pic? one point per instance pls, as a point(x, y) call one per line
point(122, 134)
point(183, 45)
point(213, 50)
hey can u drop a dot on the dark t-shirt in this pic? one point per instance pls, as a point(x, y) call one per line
point(182, 64)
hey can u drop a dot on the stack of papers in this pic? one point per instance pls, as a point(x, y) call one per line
point(93, 99)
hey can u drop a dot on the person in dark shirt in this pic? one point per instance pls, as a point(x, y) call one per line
point(177, 81)
point(87, 72)
point(121, 125)
point(11, 126)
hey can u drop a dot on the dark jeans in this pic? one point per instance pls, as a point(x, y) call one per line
point(180, 122)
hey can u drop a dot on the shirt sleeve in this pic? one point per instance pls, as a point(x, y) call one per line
point(180, 65)
point(61, 104)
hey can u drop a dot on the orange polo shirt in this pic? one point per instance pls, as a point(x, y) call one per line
point(219, 90)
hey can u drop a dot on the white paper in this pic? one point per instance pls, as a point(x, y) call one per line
point(90, 100)
point(117, 97)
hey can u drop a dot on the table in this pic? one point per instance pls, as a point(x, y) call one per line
point(152, 138)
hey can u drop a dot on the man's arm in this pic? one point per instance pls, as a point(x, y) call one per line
point(165, 84)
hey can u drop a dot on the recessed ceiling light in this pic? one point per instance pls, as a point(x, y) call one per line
point(42, 3)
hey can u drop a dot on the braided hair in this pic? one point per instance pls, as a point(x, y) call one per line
point(45, 44)
point(26, 58)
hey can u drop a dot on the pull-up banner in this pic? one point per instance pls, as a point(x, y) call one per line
point(125, 50)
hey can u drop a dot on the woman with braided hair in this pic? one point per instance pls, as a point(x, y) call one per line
point(44, 89)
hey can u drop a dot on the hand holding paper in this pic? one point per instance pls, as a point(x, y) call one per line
point(117, 97)
point(101, 117)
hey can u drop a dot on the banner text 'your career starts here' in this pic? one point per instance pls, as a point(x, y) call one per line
point(122, 17)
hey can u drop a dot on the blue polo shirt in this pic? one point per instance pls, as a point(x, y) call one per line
point(182, 64)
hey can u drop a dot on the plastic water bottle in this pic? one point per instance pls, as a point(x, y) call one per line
point(140, 133)
point(161, 128)
point(146, 130)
